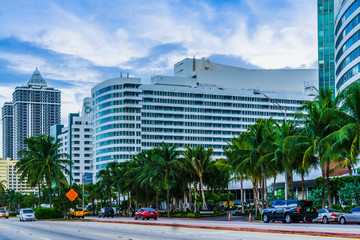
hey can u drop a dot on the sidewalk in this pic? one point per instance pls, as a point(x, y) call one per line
point(313, 229)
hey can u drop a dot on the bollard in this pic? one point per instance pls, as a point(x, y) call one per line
point(250, 217)
point(229, 218)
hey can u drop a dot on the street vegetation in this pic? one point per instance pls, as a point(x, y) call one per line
point(325, 132)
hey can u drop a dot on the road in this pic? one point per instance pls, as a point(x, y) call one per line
point(13, 229)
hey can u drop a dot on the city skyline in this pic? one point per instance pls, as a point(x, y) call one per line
point(77, 45)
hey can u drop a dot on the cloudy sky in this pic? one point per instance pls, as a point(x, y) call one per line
point(76, 44)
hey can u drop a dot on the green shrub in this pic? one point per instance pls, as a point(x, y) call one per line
point(12, 214)
point(47, 213)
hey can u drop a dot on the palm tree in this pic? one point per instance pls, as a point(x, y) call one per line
point(106, 181)
point(153, 173)
point(345, 142)
point(167, 157)
point(2, 186)
point(321, 117)
point(200, 159)
point(42, 160)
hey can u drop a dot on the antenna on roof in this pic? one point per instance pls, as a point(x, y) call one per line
point(121, 74)
point(127, 75)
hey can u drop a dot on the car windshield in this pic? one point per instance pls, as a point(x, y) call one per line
point(28, 211)
point(149, 209)
point(333, 210)
point(2, 210)
point(79, 210)
point(306, 203)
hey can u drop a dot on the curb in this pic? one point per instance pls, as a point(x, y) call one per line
point(240, 229)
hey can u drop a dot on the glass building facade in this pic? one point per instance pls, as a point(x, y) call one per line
point(347, 44)
point(326, 48)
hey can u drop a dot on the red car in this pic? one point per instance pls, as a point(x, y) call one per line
point(146, 213)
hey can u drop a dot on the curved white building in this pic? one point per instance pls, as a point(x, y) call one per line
point(116, 120)
point(347, 44)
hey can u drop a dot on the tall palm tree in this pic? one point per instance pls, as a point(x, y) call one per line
point(321, 117)
point(200, 159)
point(106, 181)
point(43, 160)
point(167, 157)
point(346, 141)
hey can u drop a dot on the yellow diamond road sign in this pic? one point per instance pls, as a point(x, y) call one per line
point(72, 195)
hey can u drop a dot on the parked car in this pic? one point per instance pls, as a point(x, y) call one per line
point(77, 213)
point(86, 212)
point(146, 213)
point(26, 214)
point(327, 215)
point(106, 212)
point(289, 211)
point(352, 216)
point(4, 213)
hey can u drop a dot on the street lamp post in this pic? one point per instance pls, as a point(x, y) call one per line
point(83, 188)
point(283, 110)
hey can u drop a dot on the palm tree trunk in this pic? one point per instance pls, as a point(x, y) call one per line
point(323, 187)
point(119, 202)
point(328, 184)
point(137, 198)
point(110, 202)
point(274, 184)
point(228, 196)
point(147, 195)
point(190, 197)
point(157, 196)
point(203, 194)
point(302, 186)
point(242, 194)
point(168, 200)
point(195, 189)
point(39, 194)
point(255, 191)
point(350, 170)
point(50, 195)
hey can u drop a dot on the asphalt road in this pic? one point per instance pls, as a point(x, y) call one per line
point(14, 229)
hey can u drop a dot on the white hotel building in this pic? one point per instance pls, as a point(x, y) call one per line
point(202, 104)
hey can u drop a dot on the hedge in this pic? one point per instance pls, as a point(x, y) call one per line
point(47, 213)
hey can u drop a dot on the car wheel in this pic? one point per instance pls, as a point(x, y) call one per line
point(155, 218)
point(135, 218)
point(142, 217)
point(99, 216)
point(342, 220)
point(325, 220)
point(148, 218)
point(103, 216)
point(266, 218)
point(307, 220)
point(288, 218)
point(112, 216)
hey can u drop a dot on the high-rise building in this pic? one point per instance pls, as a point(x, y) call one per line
point(35, 107)
point(326, 47)
point(347, 44)
point(189, 108)
point(12, 179)
point(76, 139)
point(7, 130)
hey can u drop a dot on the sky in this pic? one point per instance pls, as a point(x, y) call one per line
point(78, 43)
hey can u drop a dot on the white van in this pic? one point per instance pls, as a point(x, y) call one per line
point(26, 214)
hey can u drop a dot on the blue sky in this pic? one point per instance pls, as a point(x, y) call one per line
point(77, 44)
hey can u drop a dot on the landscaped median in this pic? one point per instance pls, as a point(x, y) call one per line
point(198, 225)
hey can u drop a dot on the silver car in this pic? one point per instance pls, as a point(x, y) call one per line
point(352, 216)
point(327, 215)
point(26, 214)
point(4, 213)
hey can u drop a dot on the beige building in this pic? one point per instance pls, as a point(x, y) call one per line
point(8, 173)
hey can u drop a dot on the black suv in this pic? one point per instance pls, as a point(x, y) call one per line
point(106, 212)
point(289, 211)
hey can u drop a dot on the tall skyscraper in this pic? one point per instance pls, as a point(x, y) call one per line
point(326, 47)
point(7, 130)
point(347, 44)
point(35, 107)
